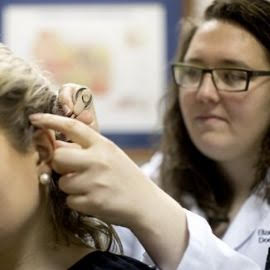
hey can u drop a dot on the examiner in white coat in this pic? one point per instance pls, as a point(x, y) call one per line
point(248, 234)
point(215, 152)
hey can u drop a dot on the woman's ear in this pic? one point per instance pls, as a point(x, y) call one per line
point(44, 144)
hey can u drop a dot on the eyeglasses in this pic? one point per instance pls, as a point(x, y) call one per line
point(224, 79)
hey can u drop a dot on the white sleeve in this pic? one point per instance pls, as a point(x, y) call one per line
point(204, 252)
point(207, 252)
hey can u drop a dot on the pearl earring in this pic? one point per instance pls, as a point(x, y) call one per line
point(44, 179)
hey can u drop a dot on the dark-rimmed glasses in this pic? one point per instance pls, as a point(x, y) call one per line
point(224, 79)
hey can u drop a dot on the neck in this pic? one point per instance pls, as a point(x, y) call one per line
point(241, 174)
point(33, 246)
point(25, 255)
point(53, 258)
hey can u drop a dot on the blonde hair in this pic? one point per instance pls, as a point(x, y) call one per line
point(25, 90)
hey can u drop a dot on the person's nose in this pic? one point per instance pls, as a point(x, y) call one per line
point(207, 91)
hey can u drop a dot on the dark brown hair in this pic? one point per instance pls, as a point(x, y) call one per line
point(23, 91)
point(185, 171)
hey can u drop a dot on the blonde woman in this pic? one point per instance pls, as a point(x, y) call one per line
point(37, 229)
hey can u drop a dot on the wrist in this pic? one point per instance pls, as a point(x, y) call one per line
point(161, 227)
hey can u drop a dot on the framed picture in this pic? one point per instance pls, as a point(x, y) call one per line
point(120, 49)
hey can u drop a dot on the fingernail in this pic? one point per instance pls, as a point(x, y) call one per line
point(35, 117)
point(66, 110)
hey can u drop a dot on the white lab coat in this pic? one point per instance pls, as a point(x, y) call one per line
point(244, 245)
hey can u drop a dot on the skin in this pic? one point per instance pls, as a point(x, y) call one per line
point(27, 238)
point(19, 191)
point(228, 127)
point(102, 181)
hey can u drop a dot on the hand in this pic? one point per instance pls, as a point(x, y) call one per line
point(66, 101)
point(98, 177)
point(102, 181)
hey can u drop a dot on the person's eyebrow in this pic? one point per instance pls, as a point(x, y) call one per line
point(194, 61)
point(234, 63)
point(220, 63)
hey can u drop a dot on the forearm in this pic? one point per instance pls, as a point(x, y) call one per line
point(163, 230)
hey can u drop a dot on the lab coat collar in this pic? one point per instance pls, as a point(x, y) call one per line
point(254, 210)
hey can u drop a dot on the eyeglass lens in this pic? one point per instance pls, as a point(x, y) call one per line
point(224, 79)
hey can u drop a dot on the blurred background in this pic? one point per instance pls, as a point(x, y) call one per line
point(121, 49)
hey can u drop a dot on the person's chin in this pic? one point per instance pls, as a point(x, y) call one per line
point(212, 147)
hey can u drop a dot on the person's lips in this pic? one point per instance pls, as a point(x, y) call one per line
point(210, 117)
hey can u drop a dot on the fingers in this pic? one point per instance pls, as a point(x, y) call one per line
point(86, 117)
point(83, 204)
point(66, 99)
point(73, 184)
point(73, 129)
point(89, 118)
point(78, 203)
point(66, 93)
point(59, 144)
point(84, 109)
point(62, 162)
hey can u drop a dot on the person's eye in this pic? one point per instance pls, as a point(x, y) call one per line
point(231, 77)
point(191, 73)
